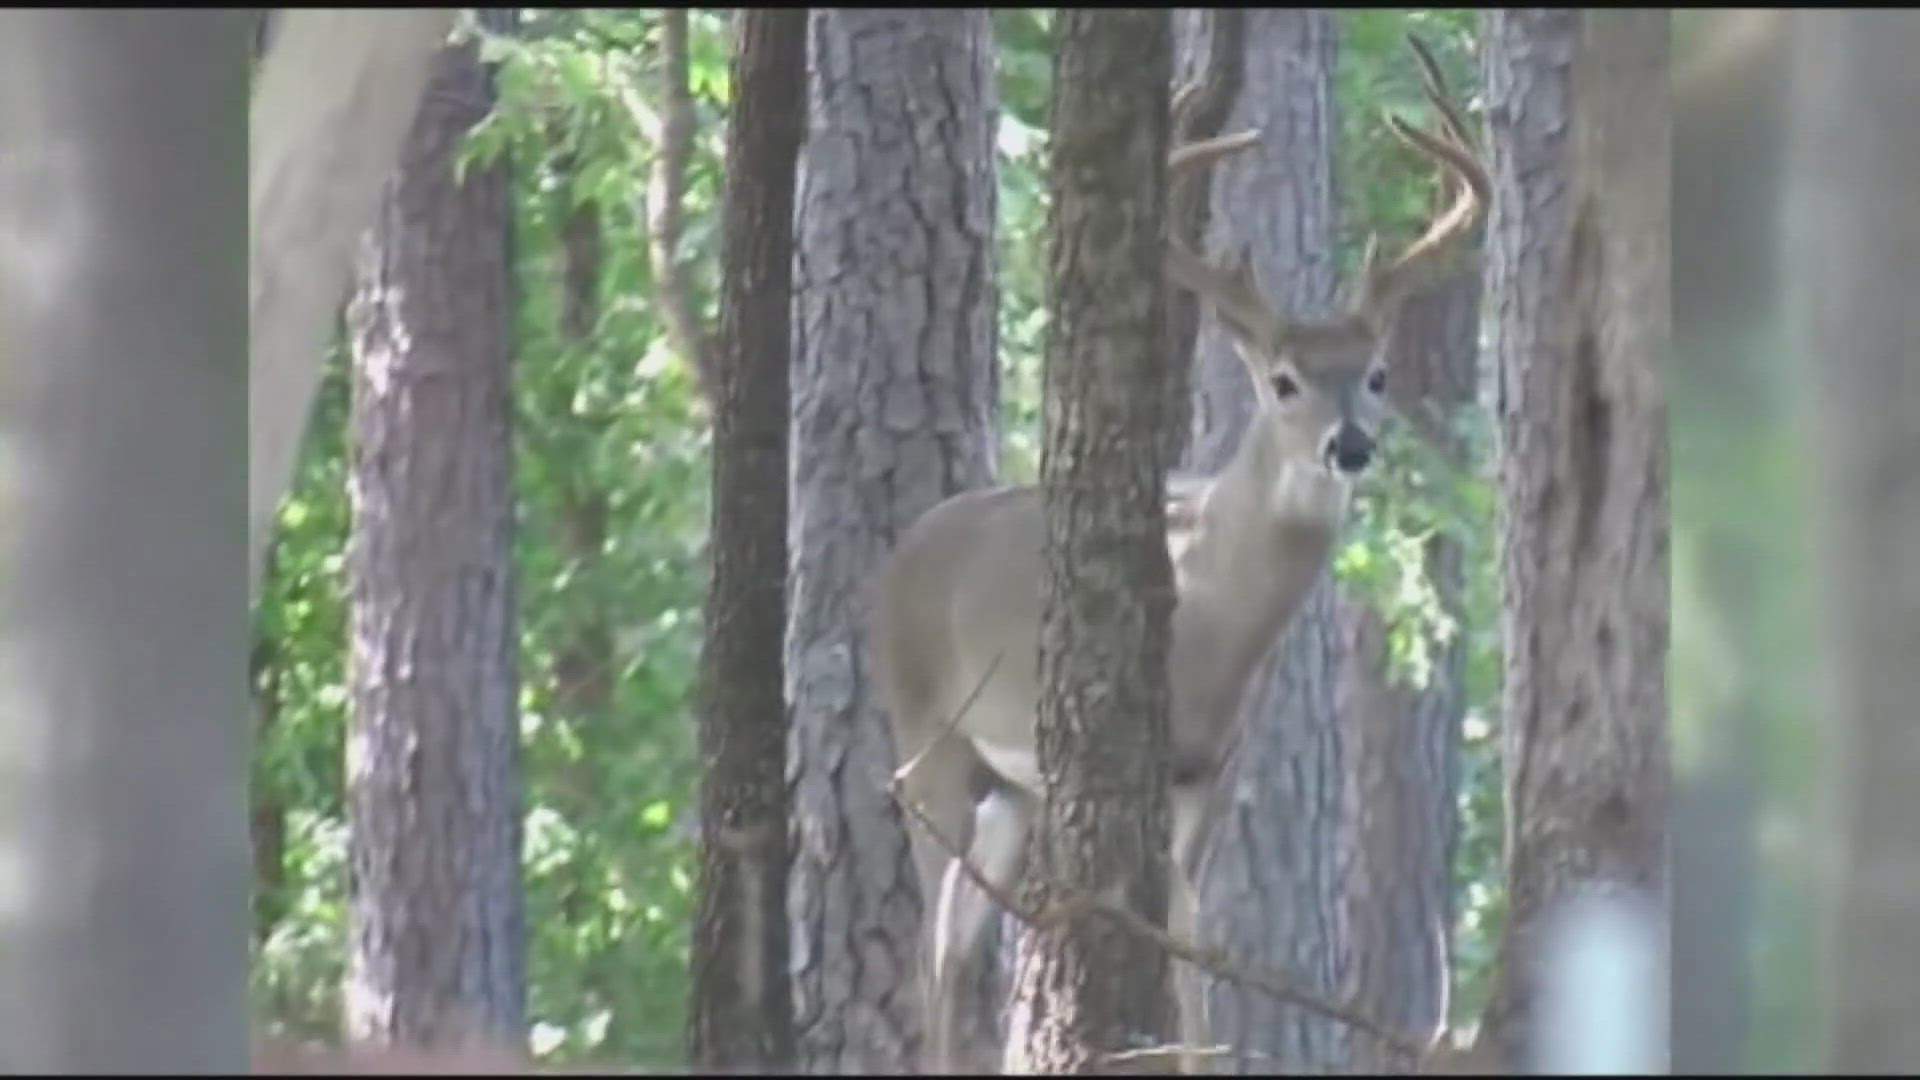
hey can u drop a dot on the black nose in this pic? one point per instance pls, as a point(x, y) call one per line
point(1349, 449)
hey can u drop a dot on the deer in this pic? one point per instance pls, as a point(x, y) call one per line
point(954, 615)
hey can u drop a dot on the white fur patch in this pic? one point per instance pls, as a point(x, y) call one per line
point(1020, 768)
point(1309, 491)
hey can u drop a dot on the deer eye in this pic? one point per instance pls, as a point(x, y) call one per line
point(1284, 387)
point(1377, 380)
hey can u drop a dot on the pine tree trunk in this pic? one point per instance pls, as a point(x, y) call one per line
point(1578, 278)
point(1271, 890)
point(741, 1018)
point(1087, 988)
point(436, 926)
point(895, 408)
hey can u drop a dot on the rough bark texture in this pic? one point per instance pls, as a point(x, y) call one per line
point(331, 104)
point(1271, 888)
point(435, 917)
point(1403, 775)
point(896, 401)
point(741, 1018)
point(1857, 245)
point(1578, 276)
point(123, 730)
point(1089, 988)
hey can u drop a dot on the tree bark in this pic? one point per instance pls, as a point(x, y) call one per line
point(1851, 226)
point(1271, 890)
point(1087, 988)
point(896, 405)
point(1578, 276)
point(123, 726)
point(741, 1015)
point(331, 105)
point(436, 926)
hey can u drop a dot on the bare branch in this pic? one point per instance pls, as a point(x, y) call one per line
point(671, 132)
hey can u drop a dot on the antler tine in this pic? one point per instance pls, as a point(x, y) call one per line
point(1386, 285)
point(1231, 291)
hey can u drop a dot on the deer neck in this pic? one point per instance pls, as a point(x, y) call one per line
point(1270, 511)
point(1257, 538)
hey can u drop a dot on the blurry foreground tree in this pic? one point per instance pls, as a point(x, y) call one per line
point(332, 101)
point(1850, 219)
point(123, 835)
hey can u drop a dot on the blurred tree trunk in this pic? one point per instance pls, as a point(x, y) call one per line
point(122, 465)
point(1271, 889)
point(1087, 988)
point(896, 404)
point(437, 953)
point(1854, 160)
point(1734, 658)
point(741, 1014)
point(1578, 276)
point(332, 101)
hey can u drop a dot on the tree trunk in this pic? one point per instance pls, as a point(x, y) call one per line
point(1087, 988)
point(1578, 275)
point(122, 633)
point(1270, 891)
point(741, 1015)
point(437, 953)
point(331, 105)
point(895, 408)
point(1857, 249)
point(1403, 775)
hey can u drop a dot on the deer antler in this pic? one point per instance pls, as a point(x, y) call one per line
point(1231, 290)
point(1387, 284)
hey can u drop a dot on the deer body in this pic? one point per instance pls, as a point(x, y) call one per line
point(955, 620)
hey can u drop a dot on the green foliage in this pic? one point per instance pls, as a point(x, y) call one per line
point(1024, 43)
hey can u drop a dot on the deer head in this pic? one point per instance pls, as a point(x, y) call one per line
point(1321, 384)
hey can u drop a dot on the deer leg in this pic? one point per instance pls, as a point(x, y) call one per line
point(1189, 803)
point(940, 787)
point(1001, 822)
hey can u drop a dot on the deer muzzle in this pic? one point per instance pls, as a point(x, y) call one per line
point(1348, 449)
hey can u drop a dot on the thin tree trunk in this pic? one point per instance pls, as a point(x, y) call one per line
point(436, 926)
point(896, 404)
point(741, 1016)
point(1270, 892)
point(331, 105)
point(1578, 276)
point(1851, 226)
point(123, 642)
point(1087, 988)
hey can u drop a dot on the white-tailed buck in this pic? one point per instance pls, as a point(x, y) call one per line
point(954, 626)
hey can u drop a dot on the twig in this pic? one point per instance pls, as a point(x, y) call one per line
point(1173, 1053)
point(672, 136)
point(900, 775)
